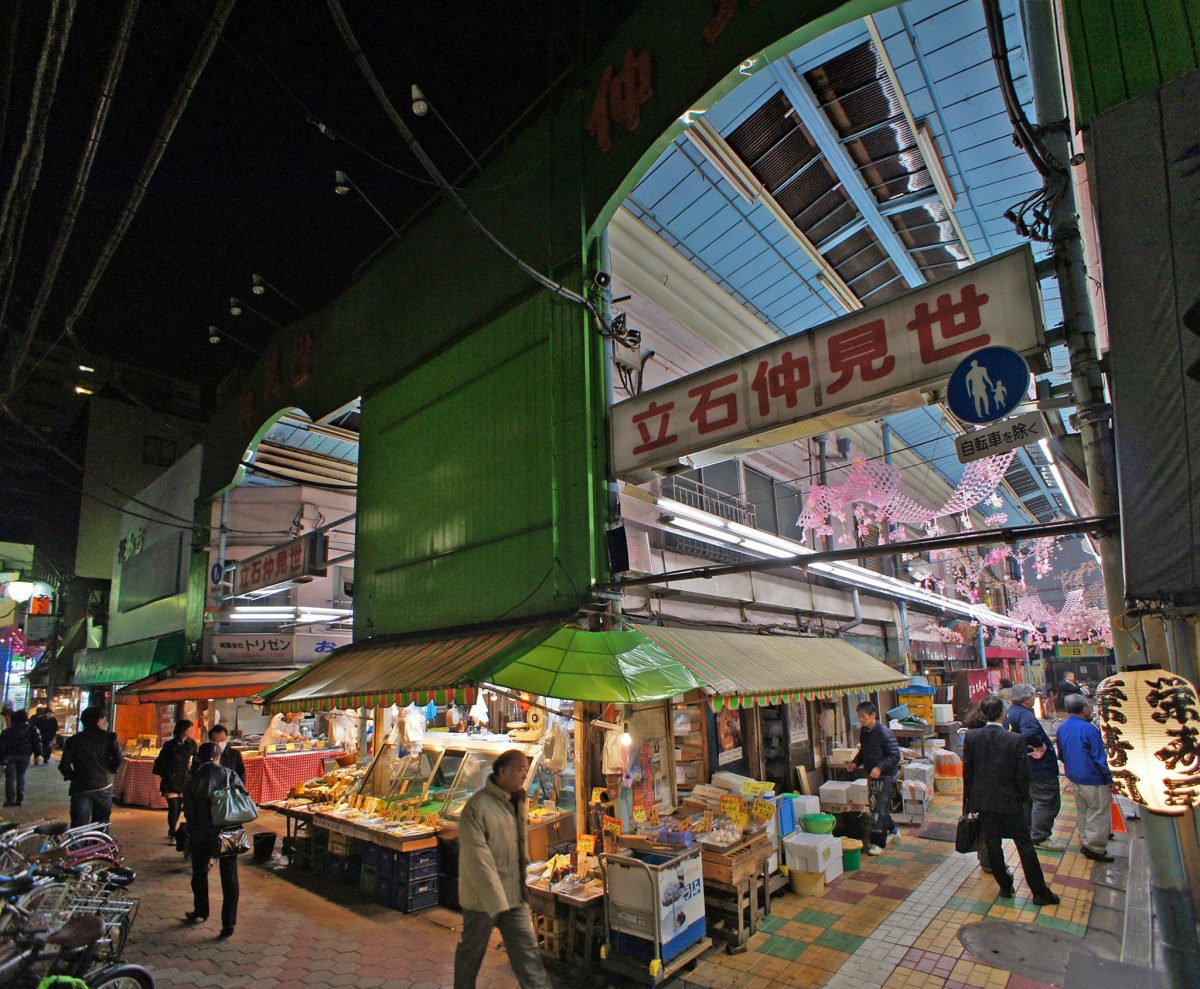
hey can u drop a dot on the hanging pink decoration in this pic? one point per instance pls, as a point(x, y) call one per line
point(1075, 621)
point(877, 484)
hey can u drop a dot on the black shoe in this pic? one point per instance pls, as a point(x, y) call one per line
point(194, 918)
point(1008, 893)
point(225, 932)
point(1095, 856)
point(10, 803)
point(170, 836)
point(1046, 899)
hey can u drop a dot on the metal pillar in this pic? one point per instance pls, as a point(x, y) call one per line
point(1174, 855)
point(982, 646)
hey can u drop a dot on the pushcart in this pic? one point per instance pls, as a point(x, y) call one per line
point(654, 906)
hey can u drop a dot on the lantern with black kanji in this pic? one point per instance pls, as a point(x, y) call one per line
point(1150, 720)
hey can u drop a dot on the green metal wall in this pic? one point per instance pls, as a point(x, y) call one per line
point(1120, 49)
point(482, 478)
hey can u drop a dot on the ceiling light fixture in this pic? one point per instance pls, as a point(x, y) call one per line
point(216, 335)
point(80, 390)
point(345, 184)
point(235, 307)
point(259, 285)
point(86, 369)
point(422, 106)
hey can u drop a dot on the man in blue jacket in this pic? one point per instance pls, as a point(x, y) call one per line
point(878, 754)
point(1044, 797)
point(1081, 748)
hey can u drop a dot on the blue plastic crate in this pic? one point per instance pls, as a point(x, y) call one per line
point(416, 865)
point(786, 814)
point(342, 868)
point(413, 896)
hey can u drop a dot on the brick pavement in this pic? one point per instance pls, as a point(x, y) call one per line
point(892, 924)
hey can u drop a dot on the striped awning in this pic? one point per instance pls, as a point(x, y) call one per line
point(744, 670)
point(413, 670)
point(205, 684)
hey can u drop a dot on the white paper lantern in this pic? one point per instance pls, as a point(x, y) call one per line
point(1150, 720)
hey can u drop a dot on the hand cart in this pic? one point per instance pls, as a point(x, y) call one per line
point(654, 907)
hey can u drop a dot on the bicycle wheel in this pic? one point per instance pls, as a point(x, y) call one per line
point(121, 977)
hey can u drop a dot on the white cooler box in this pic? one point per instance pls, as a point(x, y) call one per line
point(805, 805)
point(834, 792)
point(860, 792)
point(918, 772)
point(813, 852)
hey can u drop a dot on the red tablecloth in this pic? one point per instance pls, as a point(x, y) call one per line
point(267, 777)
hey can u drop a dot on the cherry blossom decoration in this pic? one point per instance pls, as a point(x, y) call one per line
point(1074, 621)
point(878, 485)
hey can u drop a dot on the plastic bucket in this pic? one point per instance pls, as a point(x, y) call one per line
point(264, 845)
point(851, 854)
point(896, 713)
point(818, 823)
point(806, 883)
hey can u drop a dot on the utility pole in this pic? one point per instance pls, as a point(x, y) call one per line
point(1173, 857)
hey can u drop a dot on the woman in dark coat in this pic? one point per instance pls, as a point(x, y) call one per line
point(208, 777)
point(172, 764)
point(17, 743)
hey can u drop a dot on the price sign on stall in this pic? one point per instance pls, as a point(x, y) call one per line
point(585, 844)
point(652, 816)
point(639, 815)
point(612, 825)
point(731, 805)
point(739, 819)
point(763, 811)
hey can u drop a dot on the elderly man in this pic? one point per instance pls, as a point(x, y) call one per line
point(1045, 799)
point(491, 876)
point(995, 785)
point(1081, 748)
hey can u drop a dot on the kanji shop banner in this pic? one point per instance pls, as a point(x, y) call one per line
point(909, 343)
point(304, 557)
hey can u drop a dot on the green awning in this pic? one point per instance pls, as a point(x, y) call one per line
point(620, 667)
point(128, 662)
point(743, 669)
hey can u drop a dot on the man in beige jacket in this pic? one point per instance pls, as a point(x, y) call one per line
point(491, 877)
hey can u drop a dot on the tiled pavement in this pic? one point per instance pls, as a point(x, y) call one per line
point(891, 925)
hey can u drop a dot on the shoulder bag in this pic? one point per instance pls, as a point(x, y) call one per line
point(231, 841)
point(966, 835)
point(231, 805)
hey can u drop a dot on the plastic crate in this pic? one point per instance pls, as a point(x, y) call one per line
point(414, 896)
point(416, 865)
point(368, 880)
point(342, 868)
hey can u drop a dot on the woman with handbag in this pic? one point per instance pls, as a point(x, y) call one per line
point(206, 795)
point(171, 766)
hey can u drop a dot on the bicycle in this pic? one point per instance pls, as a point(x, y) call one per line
point(56, 841)
point(60, 938)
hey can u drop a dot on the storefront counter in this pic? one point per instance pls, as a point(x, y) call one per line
point(268, 777)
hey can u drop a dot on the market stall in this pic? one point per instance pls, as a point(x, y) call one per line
point(147, 709)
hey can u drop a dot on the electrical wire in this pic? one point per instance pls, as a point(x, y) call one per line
point(79, 190)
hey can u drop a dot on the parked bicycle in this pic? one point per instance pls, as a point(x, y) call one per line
point(75, 930)
point(55, 841)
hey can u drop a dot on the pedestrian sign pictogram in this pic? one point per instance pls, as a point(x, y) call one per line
point(987, 385)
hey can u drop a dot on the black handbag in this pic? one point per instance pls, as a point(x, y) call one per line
point(183, 838)
point(968, 832)
point(231, 841)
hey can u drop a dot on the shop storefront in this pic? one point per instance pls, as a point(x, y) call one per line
point(206, 697)
point(99, 672)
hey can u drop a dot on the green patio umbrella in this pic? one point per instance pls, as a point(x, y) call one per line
point(621, 667)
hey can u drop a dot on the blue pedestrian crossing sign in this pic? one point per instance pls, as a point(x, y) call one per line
point(987, 385)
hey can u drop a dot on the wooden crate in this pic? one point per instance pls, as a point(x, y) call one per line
point(551, 934)
point(738, 864)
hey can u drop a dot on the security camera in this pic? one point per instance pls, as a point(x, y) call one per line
point(602, 278)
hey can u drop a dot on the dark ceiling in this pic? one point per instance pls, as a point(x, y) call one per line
point(246, 186)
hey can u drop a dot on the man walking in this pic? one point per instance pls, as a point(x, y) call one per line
point(89, 759)
point(995, 785)
point(879, 754)
point(491, 877)
point(1045, 798)
point(1082, 750)
point(1067, 687)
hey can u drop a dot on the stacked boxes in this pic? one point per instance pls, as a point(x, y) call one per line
point(860, 792)
point(919, 772)
point(413, 881)
point(814, 853)
point(834, 792)
point(689, 746)
point(342, 868)
point(916, 796)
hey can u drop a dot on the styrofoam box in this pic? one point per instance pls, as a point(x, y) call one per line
point(839, 757)
point(860, 792)
point(943, 714)
point(833, 868)
point(834, 792)
point(919, 772)
point(915, 809)
point(806, 805)
point(812, 852)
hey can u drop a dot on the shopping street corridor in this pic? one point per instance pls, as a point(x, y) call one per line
point(892, 924)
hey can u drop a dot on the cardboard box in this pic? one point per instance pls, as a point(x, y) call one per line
point(912, 790)
point(860, 792)
point(919, 772)
point(686, 774)
point(947, 784)
point(834, 792)
point(916, 808)
point(812, 852)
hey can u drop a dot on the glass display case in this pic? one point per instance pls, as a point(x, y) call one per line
point(396, 775)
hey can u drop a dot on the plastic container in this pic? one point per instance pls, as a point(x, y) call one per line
point(806, 883)
point(851, 854)
point(896, 713)
point(818, 823)
point(946, 765)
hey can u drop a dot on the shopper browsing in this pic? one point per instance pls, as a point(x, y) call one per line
point(491, 877)
point(1081, 747)
point(172, 765)
point(228, 757)
point(203, 835)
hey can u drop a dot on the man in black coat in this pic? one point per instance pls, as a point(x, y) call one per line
point(230, 758)
point(879, 756)
point(996, 786)
point(90, 758)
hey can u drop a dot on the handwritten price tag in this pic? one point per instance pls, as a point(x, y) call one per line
point(612, 825)
point(749, 788)
point(639, 815)
point(585, 844)
point(762, 810)
point(731, 805)
point(739, 819)
point(653, 816)
point(706, 822)
point(599, 794)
